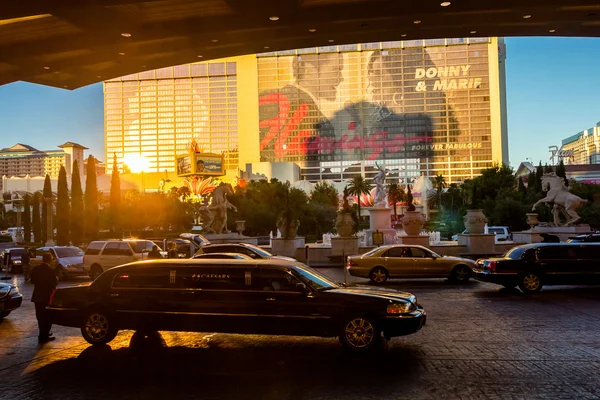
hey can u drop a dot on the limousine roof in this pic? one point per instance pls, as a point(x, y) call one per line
point(204, 261)
point(538, 245)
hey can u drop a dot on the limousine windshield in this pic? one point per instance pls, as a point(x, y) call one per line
point(315, 279)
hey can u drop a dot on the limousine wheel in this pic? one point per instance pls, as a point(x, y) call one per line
point(530, 282)
point(359, 334)
point(97, 328)
point(379, 275)
point(460, 274)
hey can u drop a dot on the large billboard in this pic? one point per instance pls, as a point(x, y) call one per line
point(420, 103)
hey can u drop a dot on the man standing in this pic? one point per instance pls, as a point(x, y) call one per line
point(44, 281)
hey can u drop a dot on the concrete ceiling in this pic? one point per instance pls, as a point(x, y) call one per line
point(73, 43)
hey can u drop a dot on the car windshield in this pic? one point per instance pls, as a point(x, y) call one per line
point(68, 252)
point(315, 279)
point(515, 253)
point(261, 252)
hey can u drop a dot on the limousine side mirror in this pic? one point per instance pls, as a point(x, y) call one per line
point(301, 287)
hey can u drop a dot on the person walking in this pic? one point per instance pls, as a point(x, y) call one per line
point(44, 282)
point(154, 253)
point(25, 260)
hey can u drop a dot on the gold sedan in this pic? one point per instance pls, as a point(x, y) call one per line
point(404, 261)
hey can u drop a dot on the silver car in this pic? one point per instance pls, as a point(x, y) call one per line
point(404, 261)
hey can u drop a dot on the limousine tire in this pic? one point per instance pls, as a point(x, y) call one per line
point(460, 274)
point(359, 334)
point(379, 275)
point(95, 270)
point(530, 282)
point(97, 327)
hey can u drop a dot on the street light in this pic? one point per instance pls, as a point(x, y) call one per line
point(137, 164)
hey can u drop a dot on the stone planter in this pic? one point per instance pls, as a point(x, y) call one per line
point(240, 226)
point(413, 222)
point(475, 221)
point(287, 228)
point(344, 224)
point(532, 220)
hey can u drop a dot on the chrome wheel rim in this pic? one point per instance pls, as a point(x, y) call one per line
point(360, 333)
point(460, 273)
point(378, 275)
point(96, 326)
point(531, 282)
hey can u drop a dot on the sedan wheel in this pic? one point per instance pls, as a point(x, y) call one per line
point(379, 275)
point(530, 283)
point(461, 274)
point(359, 334)
point(97, 329)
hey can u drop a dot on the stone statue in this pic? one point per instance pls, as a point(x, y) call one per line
point(214, 216)
point(564, 201)
point(380, 192)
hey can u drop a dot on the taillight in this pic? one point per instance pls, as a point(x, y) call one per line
point(492, 266)
point(52, 296)
point(351, 263)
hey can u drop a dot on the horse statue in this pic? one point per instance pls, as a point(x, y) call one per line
point(564, 201)
point(218, 209)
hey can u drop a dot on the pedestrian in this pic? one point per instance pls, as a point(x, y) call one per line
point(25, 260)
point(44, 282)
point(172, 250)
point(154, 253)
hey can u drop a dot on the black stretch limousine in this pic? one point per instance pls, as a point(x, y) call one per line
point(276, 297)
point(535, 265)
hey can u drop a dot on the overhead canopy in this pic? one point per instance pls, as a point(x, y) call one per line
point(72, 43)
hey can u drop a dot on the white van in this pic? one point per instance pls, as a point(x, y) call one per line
point(101, 255)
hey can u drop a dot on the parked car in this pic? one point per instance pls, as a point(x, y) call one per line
point(588, 238)
point(198, 239)
point(532, 266)
point(67, 261)
point(404, 261)
point(10, 299)
point(502, 233)
point(242, 248)
point(101, 255)
point(223, 256)
point(11, 259)
point(269, 297)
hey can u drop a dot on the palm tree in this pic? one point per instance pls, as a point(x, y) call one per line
point(357, 187)
point(440, 184)
point(395, 195)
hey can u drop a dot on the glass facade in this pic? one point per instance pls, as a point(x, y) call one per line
point(156, 114)
point(420, 106)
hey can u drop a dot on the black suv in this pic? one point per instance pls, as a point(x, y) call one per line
point(535, 265)
point(589, 238)
point(234, 296)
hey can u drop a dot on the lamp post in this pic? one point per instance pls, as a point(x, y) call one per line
point(50, 234)
point(17, 204)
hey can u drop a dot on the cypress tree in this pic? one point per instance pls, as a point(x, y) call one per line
point(115, 199)
point(548, 169)
point(62, 209)
point(35, 217)
point(531, 182)
point(91, 201)
point(539, 172)
point(522, 188)
point(27, 218)
point(562, 171)
point(76, 206)
point(46, 193)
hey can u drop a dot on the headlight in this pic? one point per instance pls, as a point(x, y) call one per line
point(400, 308)
point(16, 261)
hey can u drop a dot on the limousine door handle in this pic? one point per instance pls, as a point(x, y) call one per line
point(270, 298)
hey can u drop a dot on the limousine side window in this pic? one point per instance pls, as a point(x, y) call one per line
point(555, 253)
point(278, 280)
point(216, 278)
point(146, 278)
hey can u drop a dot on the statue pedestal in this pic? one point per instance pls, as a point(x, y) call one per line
point(419, 240)
point(563, 233)
point(380, 221)
point(286, 247)
point(478, 243)
point(345, 246)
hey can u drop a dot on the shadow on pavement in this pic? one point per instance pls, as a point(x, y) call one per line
point(150, 369)
point(408, 284)
point(547, 293)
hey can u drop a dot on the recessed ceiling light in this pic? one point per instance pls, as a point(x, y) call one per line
point(200, 56)
point(98, 76)
point(274, 18)
point(552, 30)
point(121, 54)
point(527, 16)
point(417, 22)
point(143, 66)
point(46, 67)
point(312, 30)
point(403, 35)
point(473, 32)
point(126, 34)
point(66, 86)
point(445, 4)
point(266, 47)
point(215, 40)
point(331, 40)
